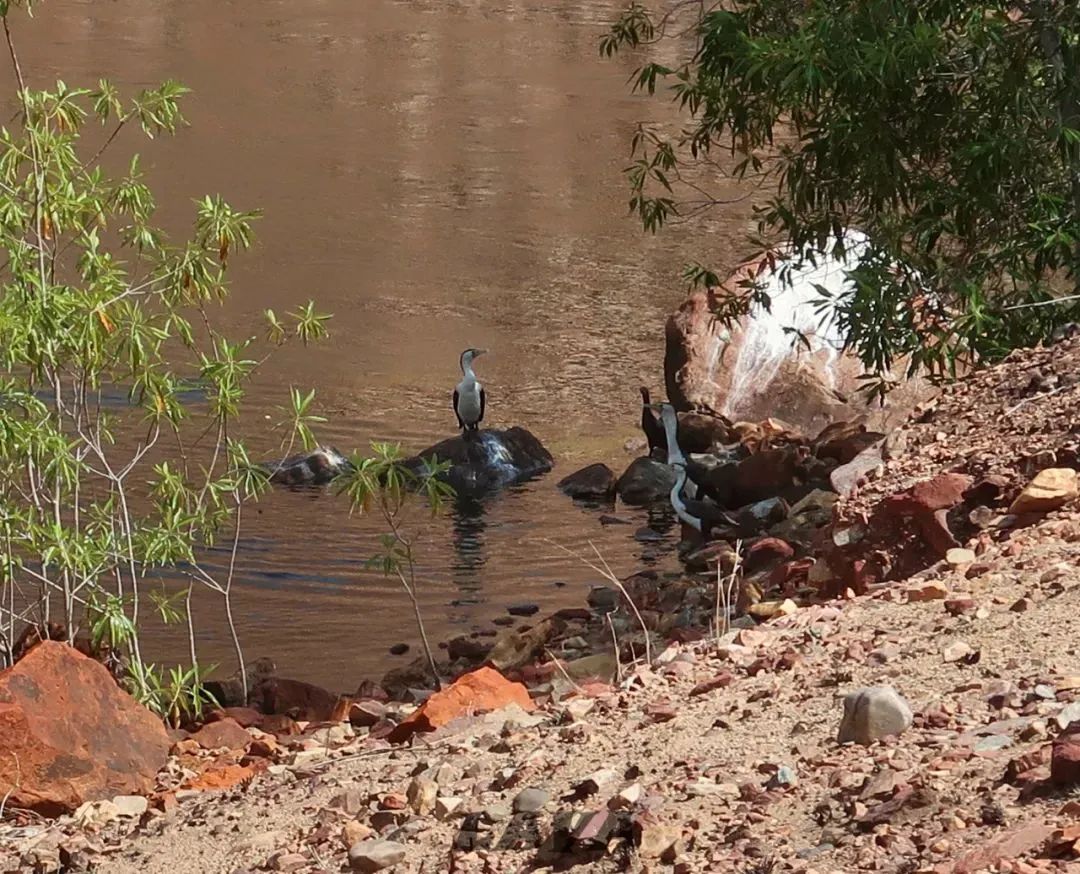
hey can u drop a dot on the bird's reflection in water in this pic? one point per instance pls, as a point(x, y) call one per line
point(467, 538)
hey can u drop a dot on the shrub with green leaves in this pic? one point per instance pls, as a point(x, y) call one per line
point(946, 130)
point(106, 474)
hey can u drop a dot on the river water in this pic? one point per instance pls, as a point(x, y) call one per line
point(437, 175)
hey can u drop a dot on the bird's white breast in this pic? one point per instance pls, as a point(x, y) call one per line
point(468, 404)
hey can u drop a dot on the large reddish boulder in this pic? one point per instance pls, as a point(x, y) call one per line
point(69, 734)
point(481, 690)
point(759, 368)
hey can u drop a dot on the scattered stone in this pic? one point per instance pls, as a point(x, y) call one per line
point(531, 800)
point(957, 556)
point(627, 797)
point(957, 651)
point(873, 713)
point(399, 649)
point(1049, 490)
point(370, 856)
point(523, 609)
point(1069, 714)
point(447, 805)
point(224, 734)
point(131, 805)
point(354, 831)
point(935, 590)
point(421, 794)
point(720, 681)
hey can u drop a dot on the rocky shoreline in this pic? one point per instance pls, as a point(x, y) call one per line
point(648, 731)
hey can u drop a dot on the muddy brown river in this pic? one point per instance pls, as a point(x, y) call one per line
point(437, 175)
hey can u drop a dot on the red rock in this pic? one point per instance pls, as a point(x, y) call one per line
point(226, 776)
point(765, 553)
point(661, 711)
point(246, 717)
point(1009, 846)
point(960, 606)
point(1065, 757)
point(279, 724)
point(720, 681)
point(932, 591)
point(481, 690)
point(69, 734)
point(943, 492)
point(223, 734)
point(393, 801)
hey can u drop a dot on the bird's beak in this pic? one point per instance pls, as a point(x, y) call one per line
point(479, 352)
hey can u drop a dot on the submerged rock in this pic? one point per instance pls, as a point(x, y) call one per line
point(595, 482)
point(314, 468)
point(645, 481)
point(71, 735)
point(488, 459)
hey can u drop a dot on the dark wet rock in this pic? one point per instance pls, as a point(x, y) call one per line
point(488, 459)
point(295, 698)
point(468, 648)
point(229, 692)
point(843, 441)
point(646, 481)
point(604, 598)
point(317, 467)
point(764, 474)
point(645, 534)
point(399, 649)
point(758, 516)
point(523, 609)
point(595, 482)
point(613, 520)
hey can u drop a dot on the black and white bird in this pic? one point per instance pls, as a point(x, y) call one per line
point(469, 398)
point(702, 516)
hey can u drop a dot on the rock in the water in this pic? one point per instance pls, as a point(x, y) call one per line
point(523, 609)
point(370, 856)
point(317, 467)
point(71, 735)
point(646, 481)
point(873, 713)
point(1050, 489)
point(595, 482)
point(486, 460)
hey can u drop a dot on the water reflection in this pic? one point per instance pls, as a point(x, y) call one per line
point(467, 537)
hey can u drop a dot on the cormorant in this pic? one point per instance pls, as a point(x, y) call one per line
point(654, 431)
point(675, 455)
point(469, 395)
point(702, 516)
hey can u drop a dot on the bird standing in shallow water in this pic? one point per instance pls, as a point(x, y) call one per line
point(469, 398)
point(654, 431)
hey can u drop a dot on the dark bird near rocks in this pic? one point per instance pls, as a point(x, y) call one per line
point(650, 424)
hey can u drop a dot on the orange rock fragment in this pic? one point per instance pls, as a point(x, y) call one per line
point(482, 690)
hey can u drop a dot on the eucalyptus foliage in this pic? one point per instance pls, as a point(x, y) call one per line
point(106, 325)
point(947, 130)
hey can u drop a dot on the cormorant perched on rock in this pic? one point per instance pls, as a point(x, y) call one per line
point(654, 431)
point(469, 395)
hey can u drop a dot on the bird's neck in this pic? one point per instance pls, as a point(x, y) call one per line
point(467, 371)
point(671, 431)
point(679, 505)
